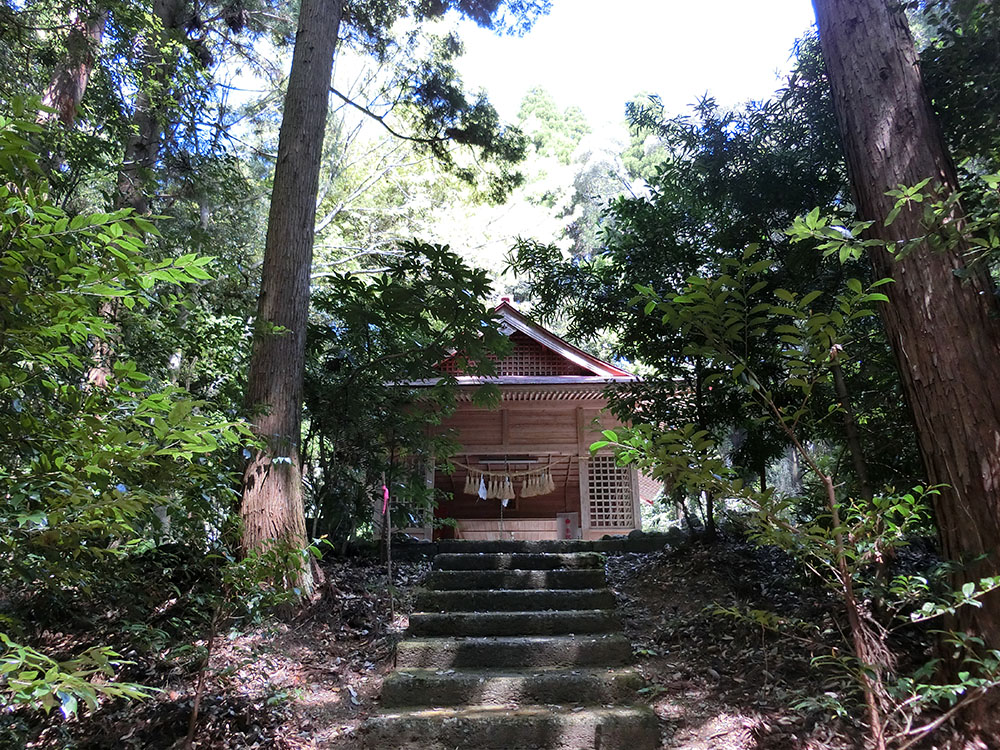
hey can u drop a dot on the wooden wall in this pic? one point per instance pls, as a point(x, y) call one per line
point(556, 430)
point(530, 427)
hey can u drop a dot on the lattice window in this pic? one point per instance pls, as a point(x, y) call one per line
point(610, 494)
point(449, 366)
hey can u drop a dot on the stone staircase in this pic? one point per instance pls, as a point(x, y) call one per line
point(514, 650)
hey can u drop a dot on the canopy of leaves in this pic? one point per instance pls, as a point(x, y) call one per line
point(370, 339)
point(718, 182)
point(94, 475)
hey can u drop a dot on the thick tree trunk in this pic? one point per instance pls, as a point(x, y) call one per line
point(272, 507)
point(69, 80)
point(944, 331)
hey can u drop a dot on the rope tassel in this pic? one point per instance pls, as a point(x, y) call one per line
point(499, 485)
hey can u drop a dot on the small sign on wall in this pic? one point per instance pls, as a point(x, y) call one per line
point(568, 525)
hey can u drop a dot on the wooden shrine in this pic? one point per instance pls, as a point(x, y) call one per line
point(525, 470)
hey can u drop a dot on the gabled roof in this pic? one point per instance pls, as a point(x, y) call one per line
point(579, 372)
point(518, 322)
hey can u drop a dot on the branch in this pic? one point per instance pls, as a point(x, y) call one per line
point(381, 121)
point(361, 254)
point(361, 272)
point(920, 732)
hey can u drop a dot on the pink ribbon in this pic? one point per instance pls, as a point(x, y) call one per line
point(385, 499)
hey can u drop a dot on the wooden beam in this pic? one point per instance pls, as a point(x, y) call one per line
point(504, 427)
point(557, 449)
point(580, 431)
point(562, 406)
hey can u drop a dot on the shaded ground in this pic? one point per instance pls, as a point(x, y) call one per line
point(717, 681)
point(307, 682)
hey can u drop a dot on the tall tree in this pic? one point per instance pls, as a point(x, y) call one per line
point(272, 508)
point(942, 317)
point(272, 488)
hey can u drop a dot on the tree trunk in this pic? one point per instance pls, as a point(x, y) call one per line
point(710, 534)
point(69, 80)
point(145, 139)
point(944, 332)
point(272, 507)
point(851, 434)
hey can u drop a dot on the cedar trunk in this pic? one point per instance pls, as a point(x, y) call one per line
point(272, 509)
point(945, 332)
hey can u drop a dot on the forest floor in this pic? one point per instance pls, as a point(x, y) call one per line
point(717, 681)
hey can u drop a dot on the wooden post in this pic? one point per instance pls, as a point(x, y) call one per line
point(429, 510)
point(584, 499)
point(636, 502)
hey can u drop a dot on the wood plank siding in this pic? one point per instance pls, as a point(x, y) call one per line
point(552, 408)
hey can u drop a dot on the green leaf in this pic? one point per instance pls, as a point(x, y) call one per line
point(810, 298)
point(812, 218)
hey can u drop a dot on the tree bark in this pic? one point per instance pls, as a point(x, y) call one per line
point(944, 331)
point(272, 508)
point(69, 80)
point(144, 141)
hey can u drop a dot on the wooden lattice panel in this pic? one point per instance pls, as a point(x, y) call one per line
point(526, 358)
point(609, 487)
point(450, 366)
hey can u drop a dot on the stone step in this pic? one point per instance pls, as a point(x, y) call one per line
point(508, 600)
point(436, 687)
point(518, 561)
point(512, 545)
point(507, 728)
point(460, 580)
point(598, 650)
point(513, 623)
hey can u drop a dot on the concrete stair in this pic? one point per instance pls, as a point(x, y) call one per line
point(558, 578)
point(516, 648)
point(523, 600)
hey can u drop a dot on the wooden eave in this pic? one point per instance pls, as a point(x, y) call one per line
point(552, 388)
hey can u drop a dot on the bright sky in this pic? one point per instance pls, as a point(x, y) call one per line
point(598, 54)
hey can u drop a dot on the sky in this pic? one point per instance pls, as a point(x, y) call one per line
point(598, 54)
